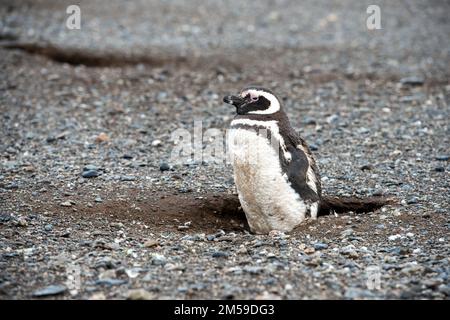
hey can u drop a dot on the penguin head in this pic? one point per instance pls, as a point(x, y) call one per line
point(254, 100)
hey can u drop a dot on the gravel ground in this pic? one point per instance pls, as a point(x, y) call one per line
point(92, 207)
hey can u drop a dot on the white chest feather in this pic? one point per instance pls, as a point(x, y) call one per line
point(267, 198)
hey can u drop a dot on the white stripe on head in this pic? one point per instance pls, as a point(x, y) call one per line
point(274, 103)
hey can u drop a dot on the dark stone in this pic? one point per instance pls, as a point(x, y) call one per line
point(309, 121)
point(378, 193)
point(12, 185)
point(164, 166)
point(412, 81)
point(443, 157)
point(269, 281)
point(439, 169)
point(65, 234)
point(366, 167)
point(90, 174)
point(320, 246)
point(50, 139)
point(219, 254)
point(5, 217)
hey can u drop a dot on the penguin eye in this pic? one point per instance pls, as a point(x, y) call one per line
point(255, 98)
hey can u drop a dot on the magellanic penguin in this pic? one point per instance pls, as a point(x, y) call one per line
point(275, 173)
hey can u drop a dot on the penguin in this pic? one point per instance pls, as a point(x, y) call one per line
point(275, 173)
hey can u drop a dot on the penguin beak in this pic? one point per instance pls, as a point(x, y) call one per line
point(234, 100)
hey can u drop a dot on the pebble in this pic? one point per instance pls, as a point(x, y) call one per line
point(412, 200)
point(332, 119)
point(151, 243)
point(394, 237)
point(105, 263)
point(158, 259)
point(363, 130)
point(309, 250)
point(66, 204)
point(65, 233)
point(139, 294)
point(48, 227)
point(5, 217)
point(412, 81)
point(98, 199)
point(347, 233)
point(253, 269)
point(242, 250)
point(445, 289)
point(156, 143)
point(400, 251)
point(443, 157)
point(269, 281)
point(90, 167)
point(378, 192)
point(50, 139)
point(182, 289)
point(22, 222)
point(127, 178)
point(98, 296)
point(219, 254)
point(12, 185)
point(102, 137)
point(164, 166)
point(117, 225)
point(320, 246)
point(132, 273)
point(309, 120)
point(50, 291)
point(439, 169)
point(110, 282)
point(366, 167)
point(90, 174)
point(410, 268)
point(357, 293)
point(349, 251)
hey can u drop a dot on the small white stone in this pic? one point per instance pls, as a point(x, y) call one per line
point(156, 143)
point(394, 237)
